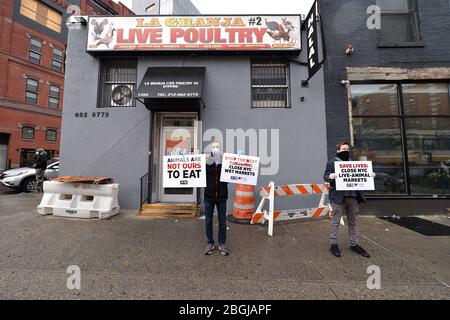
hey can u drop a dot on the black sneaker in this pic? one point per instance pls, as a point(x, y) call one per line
point(224, 250)
point(208, 249)
point(335, 250)
point(360, 251)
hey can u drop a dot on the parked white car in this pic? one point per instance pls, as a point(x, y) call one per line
point(25, 178)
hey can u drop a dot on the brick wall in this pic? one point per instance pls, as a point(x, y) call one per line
point(344, 22)
point(15, 68)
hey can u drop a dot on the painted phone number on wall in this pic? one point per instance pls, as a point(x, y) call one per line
point(92, 115)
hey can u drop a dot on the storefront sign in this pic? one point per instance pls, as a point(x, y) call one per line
point(167, 82)
point(172, 33)
point(313, 45)
point(354, 175)
point(239, 169)
point(184, 171)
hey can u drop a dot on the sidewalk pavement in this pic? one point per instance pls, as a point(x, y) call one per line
point(131, 257)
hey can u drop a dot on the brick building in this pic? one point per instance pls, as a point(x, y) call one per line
point(32, 45)
point(389, 94)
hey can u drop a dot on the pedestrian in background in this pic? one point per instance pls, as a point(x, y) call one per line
point(40, 164)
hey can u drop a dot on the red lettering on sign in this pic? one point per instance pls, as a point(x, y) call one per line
point(120, 38)
point(259, 33)
point(175, 33)
point(206, 35)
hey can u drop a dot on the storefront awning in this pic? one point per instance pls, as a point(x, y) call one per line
point(172, 83)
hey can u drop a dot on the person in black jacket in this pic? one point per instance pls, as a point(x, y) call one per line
point(215, 195)
point(40, 165)
point(343, 202)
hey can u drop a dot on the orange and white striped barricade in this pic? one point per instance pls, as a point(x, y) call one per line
point(244, 203)
point(270, 192)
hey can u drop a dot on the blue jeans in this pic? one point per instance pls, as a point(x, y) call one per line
point(209, 213)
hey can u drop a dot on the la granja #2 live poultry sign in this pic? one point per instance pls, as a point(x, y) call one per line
point(194, 33)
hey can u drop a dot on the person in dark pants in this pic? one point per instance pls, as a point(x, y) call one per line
point(215, 195)
point(40, 164)
point(343, 202)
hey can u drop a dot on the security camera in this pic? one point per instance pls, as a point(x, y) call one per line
point(77, 20)
point(345, 83)
point(349, 50)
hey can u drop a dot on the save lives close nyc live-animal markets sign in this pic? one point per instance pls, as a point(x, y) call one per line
point(354, 175)
point(167, 33)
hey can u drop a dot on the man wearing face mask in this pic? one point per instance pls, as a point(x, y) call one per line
point(40, 165)
point(343, 202)
point(215, 195)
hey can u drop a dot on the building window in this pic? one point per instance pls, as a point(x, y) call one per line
point(31, 91)
point(53, 97)
point(166, 7)
point(42, 14)
point(404, 129)
point(50, 135)
point(57, 60)
point(270, 84)
point(399, 23)
point(117, 83)
point(27, 133)
point(34, 53)
point(27, 157)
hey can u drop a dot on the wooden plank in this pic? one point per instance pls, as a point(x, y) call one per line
point(166, 215)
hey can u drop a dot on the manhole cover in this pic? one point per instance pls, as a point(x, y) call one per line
point(422, 226)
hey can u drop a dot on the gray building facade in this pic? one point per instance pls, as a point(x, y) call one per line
point(286, 126)
point(387, 76)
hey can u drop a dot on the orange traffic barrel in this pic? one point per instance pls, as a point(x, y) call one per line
point(244, 203)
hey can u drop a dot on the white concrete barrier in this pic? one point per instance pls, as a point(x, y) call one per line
point(79, 200)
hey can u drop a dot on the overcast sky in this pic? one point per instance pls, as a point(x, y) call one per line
point(248, 6)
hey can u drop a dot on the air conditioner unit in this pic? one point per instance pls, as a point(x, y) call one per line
point(122, 95)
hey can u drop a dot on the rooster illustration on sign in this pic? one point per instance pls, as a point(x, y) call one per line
point(283, 31)
point(102, 33)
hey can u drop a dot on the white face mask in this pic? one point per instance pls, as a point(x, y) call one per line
point(215, 151)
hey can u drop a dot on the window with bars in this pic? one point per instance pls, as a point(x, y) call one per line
point(53, 97)
point(117, 83)
point(270, 84)
point(34, 53)
point(31, 91)
point(57, 60)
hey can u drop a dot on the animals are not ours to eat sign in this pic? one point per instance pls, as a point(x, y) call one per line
point(184, 171)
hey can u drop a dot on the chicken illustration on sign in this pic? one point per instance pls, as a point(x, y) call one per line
point(195, 33)
point(102, 33)
point(281, 31)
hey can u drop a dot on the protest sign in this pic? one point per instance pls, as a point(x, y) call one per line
point(239, 169)
point(354, 175)
point(187, 171)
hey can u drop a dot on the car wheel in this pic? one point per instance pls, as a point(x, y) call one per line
point(29, 184)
